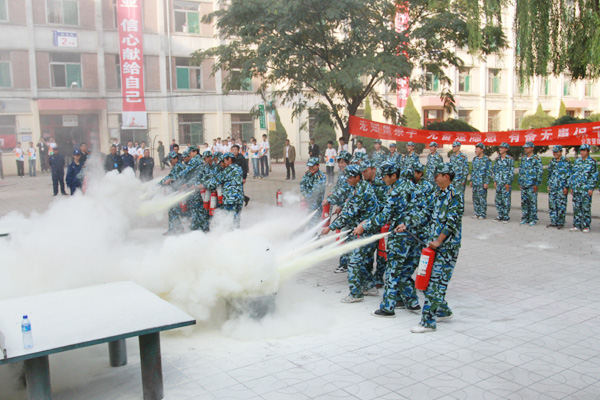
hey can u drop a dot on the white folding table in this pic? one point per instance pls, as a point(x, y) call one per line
point(71, 319)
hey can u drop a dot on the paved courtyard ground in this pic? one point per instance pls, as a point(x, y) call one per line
point(527, 326)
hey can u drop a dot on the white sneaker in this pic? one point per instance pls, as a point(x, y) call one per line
point(340, 270)
point(350, 299)
point(505, 221)
point(371, 292)
point(573, 229)
point(480, 217)
point(474, 217)
point(421, 329)
point(586, 230)
point(496, 220)
point(444, 318)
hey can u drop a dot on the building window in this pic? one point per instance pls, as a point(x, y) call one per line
point(239, 82)
point(188, 76)
point(589, 89)
point(465, 116)
point(464, 80)
point(5, 76)
point(494, 81)
point(4, 10)
point(65, 70)
point(571, 113)
point(522, 88)
point(8, 131)
point(587, 114)
point(118, 67)
point(187, 16)
point(545, 87)
point(63, 12)
point(493, 121)
point(567, 85)
point(242, 126)
point(432, 83)
point(519, 115)
point(432, 116)
point(191, 129)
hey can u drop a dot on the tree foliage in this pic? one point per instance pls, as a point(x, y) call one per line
point(451, 125)
point(277, 138)
point(331, 54)
point(367, 141)
point(562, 111)
point(538, 120)
point(566, 120)
point(323, 133)
point(412, 119)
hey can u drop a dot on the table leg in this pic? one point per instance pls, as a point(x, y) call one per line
point(117, 353)
point(37, 375)
point(152, 380)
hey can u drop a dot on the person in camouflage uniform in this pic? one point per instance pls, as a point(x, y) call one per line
point(372, 175)
point(338, 196)
point(460, 166)
point(530, 178)
point(444, 236)
point(504, 173)
point(359, 158)
point(173, 179)
point(411, 158)
point(433, 160)
point(378, 156)
point(584, 178)
point(231, 178)
point(312, 189)
point(361, 205)
point(559, 171)
point(481, 177)
point(394, 156)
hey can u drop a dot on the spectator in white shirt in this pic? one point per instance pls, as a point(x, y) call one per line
point(343, 145)
point(32, 157)
point(330, 155)
point(264, 157)
point(359, 147)
point(19, 154)
point(255, 157)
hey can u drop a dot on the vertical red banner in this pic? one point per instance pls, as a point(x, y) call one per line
point(129, 19)
point(403, 89)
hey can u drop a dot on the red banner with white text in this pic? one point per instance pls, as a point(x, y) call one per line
point(566, 135)
point(129, 19)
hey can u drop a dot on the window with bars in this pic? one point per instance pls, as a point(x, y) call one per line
point(493, 121)
point(8, 131)
point(242, 126)
point(519, 115)
point(65, 70)
point(191, 129)
point(62, 12)
point(568, 85)
point(432, 83)
point(4, 10)
point(589, 89)
point(464, 80)
point(188, 76)
point(187, 16)
point(494, 81)
point(5, 72)
point(545, 87)
point(465, 116)
point(242, 83)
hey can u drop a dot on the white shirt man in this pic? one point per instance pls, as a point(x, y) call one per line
point(264, 148)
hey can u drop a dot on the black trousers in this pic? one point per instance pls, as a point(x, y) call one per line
point(20, 168)
point(58, 177)
point(290, 166)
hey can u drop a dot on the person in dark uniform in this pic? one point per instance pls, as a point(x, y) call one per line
point(146, 166)
point(113, 160)
point(243, 163)
point(74, 175)
point(57, 167)
point(313, 149)
point(128, 160)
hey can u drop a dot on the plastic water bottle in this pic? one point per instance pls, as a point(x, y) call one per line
point(27, 336)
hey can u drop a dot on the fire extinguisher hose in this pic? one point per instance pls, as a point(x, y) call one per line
point(416, 238)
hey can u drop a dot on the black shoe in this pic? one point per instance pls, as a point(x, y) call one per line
point(551, 226)
point(246, 201)
point(55, 194)
point(383, 313)
point(287, 179)
point(559, 227)
point(414, 309)
point(64, 194)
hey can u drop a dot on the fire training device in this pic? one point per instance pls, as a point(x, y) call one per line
point(424, 269)
point(279, 198)
point(205, 198)
point(220, 194)
point(325, 215)
point(382, 247)
point(213, 203)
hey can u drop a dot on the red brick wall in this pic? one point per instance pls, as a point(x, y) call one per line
point(152, 72)
point(87, 14)
point(150, 15)
point(43, 69)
point(108, 14)
point(39, 11)
point(16, 12)
point(90, 71)
point(20, 69)
point(111, 71)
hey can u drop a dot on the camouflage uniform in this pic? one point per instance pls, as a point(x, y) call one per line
point(558, 180)
point(338, 196)
point(460, 166)
point(409, 160)
point(175, 213)
point(361, 205)
point(584, 177)
point(530, 175)
point(380, 189)
point(446, 218)
point(433, 160)
point(396, 158)
point(481, 175)
point(503, 171)
point(312, 188)
point(378, 157)
point(233, 190)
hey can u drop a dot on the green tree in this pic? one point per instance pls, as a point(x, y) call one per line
point(412, 119)
point(594, 117)
point(451, 125)
point(332, 54)
point(367, 141)
point(566, 120)
point(538, 120)
point(277, 138)
point(563, 109)
point(323, 133)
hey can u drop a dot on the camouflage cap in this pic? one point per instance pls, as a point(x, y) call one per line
point(388, 168)
point(410, 143)
point(584, 146)
point(378, 141)
point(392, 145)
point(186, 153)
point(171, 155)
point(207, 154)
point(480, 145)
point(344, 155)
point(433, 144)
point(368, 164)
point(359, 157)
point(505, 145)
point(528, 144)
point(228, 155)
point(557, 148)
point(418, 167)
point(312, 161)
point(456, 143)
point(444, 168)
point(352, 170)
point(408, 172)
point(193, 148)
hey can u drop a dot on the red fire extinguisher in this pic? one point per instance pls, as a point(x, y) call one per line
point(382, 247)
point(213, 203)
point(85, 184)
point(205, 198)
point(325, 213)
point(279, 198)
point(303, 205)
point(183, 207)
point(424, 269)
point(220, 194)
